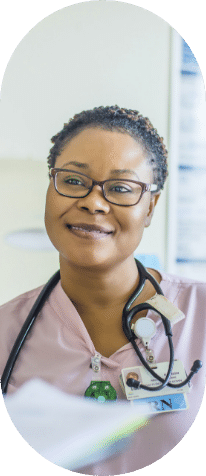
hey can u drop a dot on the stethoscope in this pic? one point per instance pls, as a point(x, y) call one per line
point(127, 317)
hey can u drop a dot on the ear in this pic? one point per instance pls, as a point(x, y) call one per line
point(152, 205)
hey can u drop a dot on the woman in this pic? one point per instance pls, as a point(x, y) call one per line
point(96, 227)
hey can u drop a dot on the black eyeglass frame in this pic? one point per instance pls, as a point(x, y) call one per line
point(146, 187)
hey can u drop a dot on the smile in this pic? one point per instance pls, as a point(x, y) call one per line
point(89, 231)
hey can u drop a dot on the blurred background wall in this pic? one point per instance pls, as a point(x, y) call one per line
point(85, 55)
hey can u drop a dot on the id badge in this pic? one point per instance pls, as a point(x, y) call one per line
point(178, 375)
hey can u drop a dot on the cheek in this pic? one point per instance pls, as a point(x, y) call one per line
point(52, 210)
point(51, 218)
point(132, 227)
point(133, 221)
point(56, 208)
point(50, 205)
point(56, 205)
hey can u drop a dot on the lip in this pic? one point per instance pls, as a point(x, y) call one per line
point(90, 227)
point(86, 230)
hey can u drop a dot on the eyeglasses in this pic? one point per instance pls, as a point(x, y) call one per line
point(117, 191)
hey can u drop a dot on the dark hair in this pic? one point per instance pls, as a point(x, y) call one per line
point(123, 120)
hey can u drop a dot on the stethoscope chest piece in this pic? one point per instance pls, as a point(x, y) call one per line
point(145, 329)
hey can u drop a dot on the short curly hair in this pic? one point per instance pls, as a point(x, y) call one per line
point(123, 120)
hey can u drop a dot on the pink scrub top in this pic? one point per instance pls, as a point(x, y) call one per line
point(59, 351)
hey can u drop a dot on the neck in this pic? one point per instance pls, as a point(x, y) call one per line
point(89, 288)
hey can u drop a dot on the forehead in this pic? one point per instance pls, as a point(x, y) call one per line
point(105, 150)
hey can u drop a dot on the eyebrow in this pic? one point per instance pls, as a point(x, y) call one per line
point(83, 165)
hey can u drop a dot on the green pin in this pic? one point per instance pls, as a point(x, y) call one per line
point(101, 391)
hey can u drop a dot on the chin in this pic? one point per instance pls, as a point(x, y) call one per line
point(90, 260)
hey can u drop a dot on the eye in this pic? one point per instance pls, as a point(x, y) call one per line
point(120, 188)
point(70, 180)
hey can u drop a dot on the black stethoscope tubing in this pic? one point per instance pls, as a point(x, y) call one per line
point(126, 320)
point(36, 308)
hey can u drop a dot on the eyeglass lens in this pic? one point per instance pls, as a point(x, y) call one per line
point(74, 185)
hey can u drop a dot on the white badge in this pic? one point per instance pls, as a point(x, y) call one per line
point(163, 305)
point(141, 374)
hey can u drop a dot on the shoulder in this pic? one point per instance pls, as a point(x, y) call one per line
point(12, 317)
point(23, 301)
point(185, 291)
point(172, 281)
point(180, 280)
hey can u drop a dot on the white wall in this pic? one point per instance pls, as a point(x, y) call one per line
point(79, 57)
point(23, 209)
point(86, 55)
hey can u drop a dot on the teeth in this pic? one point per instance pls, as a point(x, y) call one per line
point(87, 231)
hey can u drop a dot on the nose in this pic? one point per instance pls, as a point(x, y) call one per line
point(94, 202)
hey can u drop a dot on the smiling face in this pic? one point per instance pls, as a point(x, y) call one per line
point(91, 232)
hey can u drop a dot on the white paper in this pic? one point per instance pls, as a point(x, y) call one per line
point(72, 431)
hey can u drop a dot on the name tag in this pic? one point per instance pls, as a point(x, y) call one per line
point(178, 375)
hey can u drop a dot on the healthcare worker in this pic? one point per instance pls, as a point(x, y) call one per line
point(97, 208)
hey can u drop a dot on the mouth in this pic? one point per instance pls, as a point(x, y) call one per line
point(83, 230)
